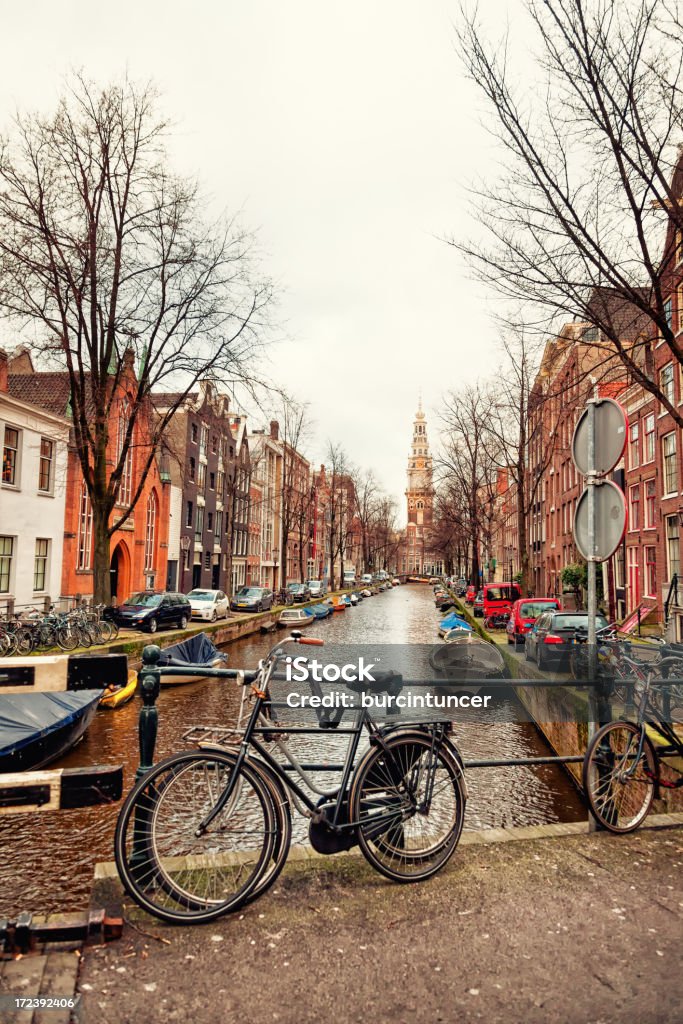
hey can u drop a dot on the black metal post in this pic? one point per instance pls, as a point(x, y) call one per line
point(148, 723)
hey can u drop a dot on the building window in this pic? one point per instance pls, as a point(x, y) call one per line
point(212, 481)
point(189, 513)
point(10, 457)
point(633, 577)
point(204, 443)
point(214, 443)
point(199, 523)
point(650, 504)
point(40, 565)
point(218, 525)
point(45, 475)
point(220, 482)
point(650, 572)
point(126, 482)
point(209, 521)
point(150, 532)
point(6, 551)
point(201, 476)
point(193, 468)
point(666, 382)
point(84, 550)
point(668, 316)
point(669, 463)
point(634, 508)
point(207, 559)
point(633, 445)
point(194, 433)
point(673, 563)
point(649, 451)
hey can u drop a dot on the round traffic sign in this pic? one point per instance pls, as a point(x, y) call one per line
point(610, 437)
point(610, 521)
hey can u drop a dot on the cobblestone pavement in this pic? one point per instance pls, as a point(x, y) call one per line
point(565, 930)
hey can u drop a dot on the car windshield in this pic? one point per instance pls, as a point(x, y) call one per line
point(532, 609)
point(576, 622)
point(146, 600)
point(249, 592)
point(294, 586)
point(201, 595)
point(498, 593)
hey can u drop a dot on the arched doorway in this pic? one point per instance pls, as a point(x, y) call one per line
point(119, 572)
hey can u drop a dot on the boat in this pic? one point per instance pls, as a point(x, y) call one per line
point(37, 728)
point(294, 618)
point(321, 611)
point(338, 604)
point(453, 621)
point(117, 696)
point(197, 651)
point(366, 592)
point(354, 599)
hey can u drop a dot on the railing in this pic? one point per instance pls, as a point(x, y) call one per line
point(673, 594)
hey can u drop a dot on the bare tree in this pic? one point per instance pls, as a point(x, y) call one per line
point(295, 496)
point(588, 199)
point(107, 259)
point(467, 461)
point(340, 508)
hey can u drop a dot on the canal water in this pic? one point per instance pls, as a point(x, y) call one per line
point(47, 860)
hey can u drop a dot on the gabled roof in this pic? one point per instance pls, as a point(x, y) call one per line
point(50, 391)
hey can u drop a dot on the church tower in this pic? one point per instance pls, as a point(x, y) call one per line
point(419, 492)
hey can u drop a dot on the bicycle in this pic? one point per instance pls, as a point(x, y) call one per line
point(207, 830)
point(621, 769)
point(498, 619)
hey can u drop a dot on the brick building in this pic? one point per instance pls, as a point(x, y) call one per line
point(139, 548)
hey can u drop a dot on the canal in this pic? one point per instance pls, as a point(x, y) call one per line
point(47, 860)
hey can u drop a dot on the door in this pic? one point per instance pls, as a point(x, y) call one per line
point(196, 575)
point(215, 574)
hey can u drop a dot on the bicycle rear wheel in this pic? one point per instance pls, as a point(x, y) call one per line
point(405, 831)
point(619, 776)
point(168, 869)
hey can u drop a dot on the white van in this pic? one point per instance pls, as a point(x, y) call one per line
point(349, 577)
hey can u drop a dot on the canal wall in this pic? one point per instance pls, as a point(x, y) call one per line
point(555, 713)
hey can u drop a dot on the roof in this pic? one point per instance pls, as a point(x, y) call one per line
point(48, 391)
point(164, 399)
point(621, 318)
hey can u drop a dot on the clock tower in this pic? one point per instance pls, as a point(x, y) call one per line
point(419, 492)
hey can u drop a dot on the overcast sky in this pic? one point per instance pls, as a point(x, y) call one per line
point(347, 135)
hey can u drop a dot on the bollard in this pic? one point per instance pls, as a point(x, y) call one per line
point(149, 714)
point(147, 734)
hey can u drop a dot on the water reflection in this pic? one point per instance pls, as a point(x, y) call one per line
point(47, 860)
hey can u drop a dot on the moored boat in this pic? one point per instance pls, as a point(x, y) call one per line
point(322, 610)
point(196, 652)
point(453, 621)
point(117, 696)
point(37, 728)
point(294, 618)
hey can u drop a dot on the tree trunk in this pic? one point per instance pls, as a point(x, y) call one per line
point(101, 557)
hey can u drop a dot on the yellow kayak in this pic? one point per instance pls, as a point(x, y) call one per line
point(121, 695)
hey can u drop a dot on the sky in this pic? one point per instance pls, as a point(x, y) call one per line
point(347, 136)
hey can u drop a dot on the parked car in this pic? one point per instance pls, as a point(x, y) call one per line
point(551, 639)
point(478, 608)
point(209, 604)
point(366, 579)
point(316, 588)
point(524, 614)
point(299, 591)
point(152, 611)
point(252, 599)
point(499, 597)
point(349, 578)
point(470, 594)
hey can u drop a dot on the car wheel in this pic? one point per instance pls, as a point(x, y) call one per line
point(183, 621)
point(152, 625)
point(260, 606)
point(214, 615)
point(540, 662)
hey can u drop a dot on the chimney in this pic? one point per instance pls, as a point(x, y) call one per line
point(4, 384)
point(274, 430)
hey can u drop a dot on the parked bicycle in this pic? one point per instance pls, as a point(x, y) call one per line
point(207, 830)
point(498, 619)
point(621, 769)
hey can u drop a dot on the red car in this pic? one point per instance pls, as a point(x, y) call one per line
point(524, 614)
point(470, 595)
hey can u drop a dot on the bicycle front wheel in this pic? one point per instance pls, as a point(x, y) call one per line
point(408, 799)
point(169, 870)
point(619, 776)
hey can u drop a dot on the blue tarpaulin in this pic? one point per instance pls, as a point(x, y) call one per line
point(197, 650)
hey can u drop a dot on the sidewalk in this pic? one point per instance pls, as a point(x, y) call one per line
point(569, 930)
